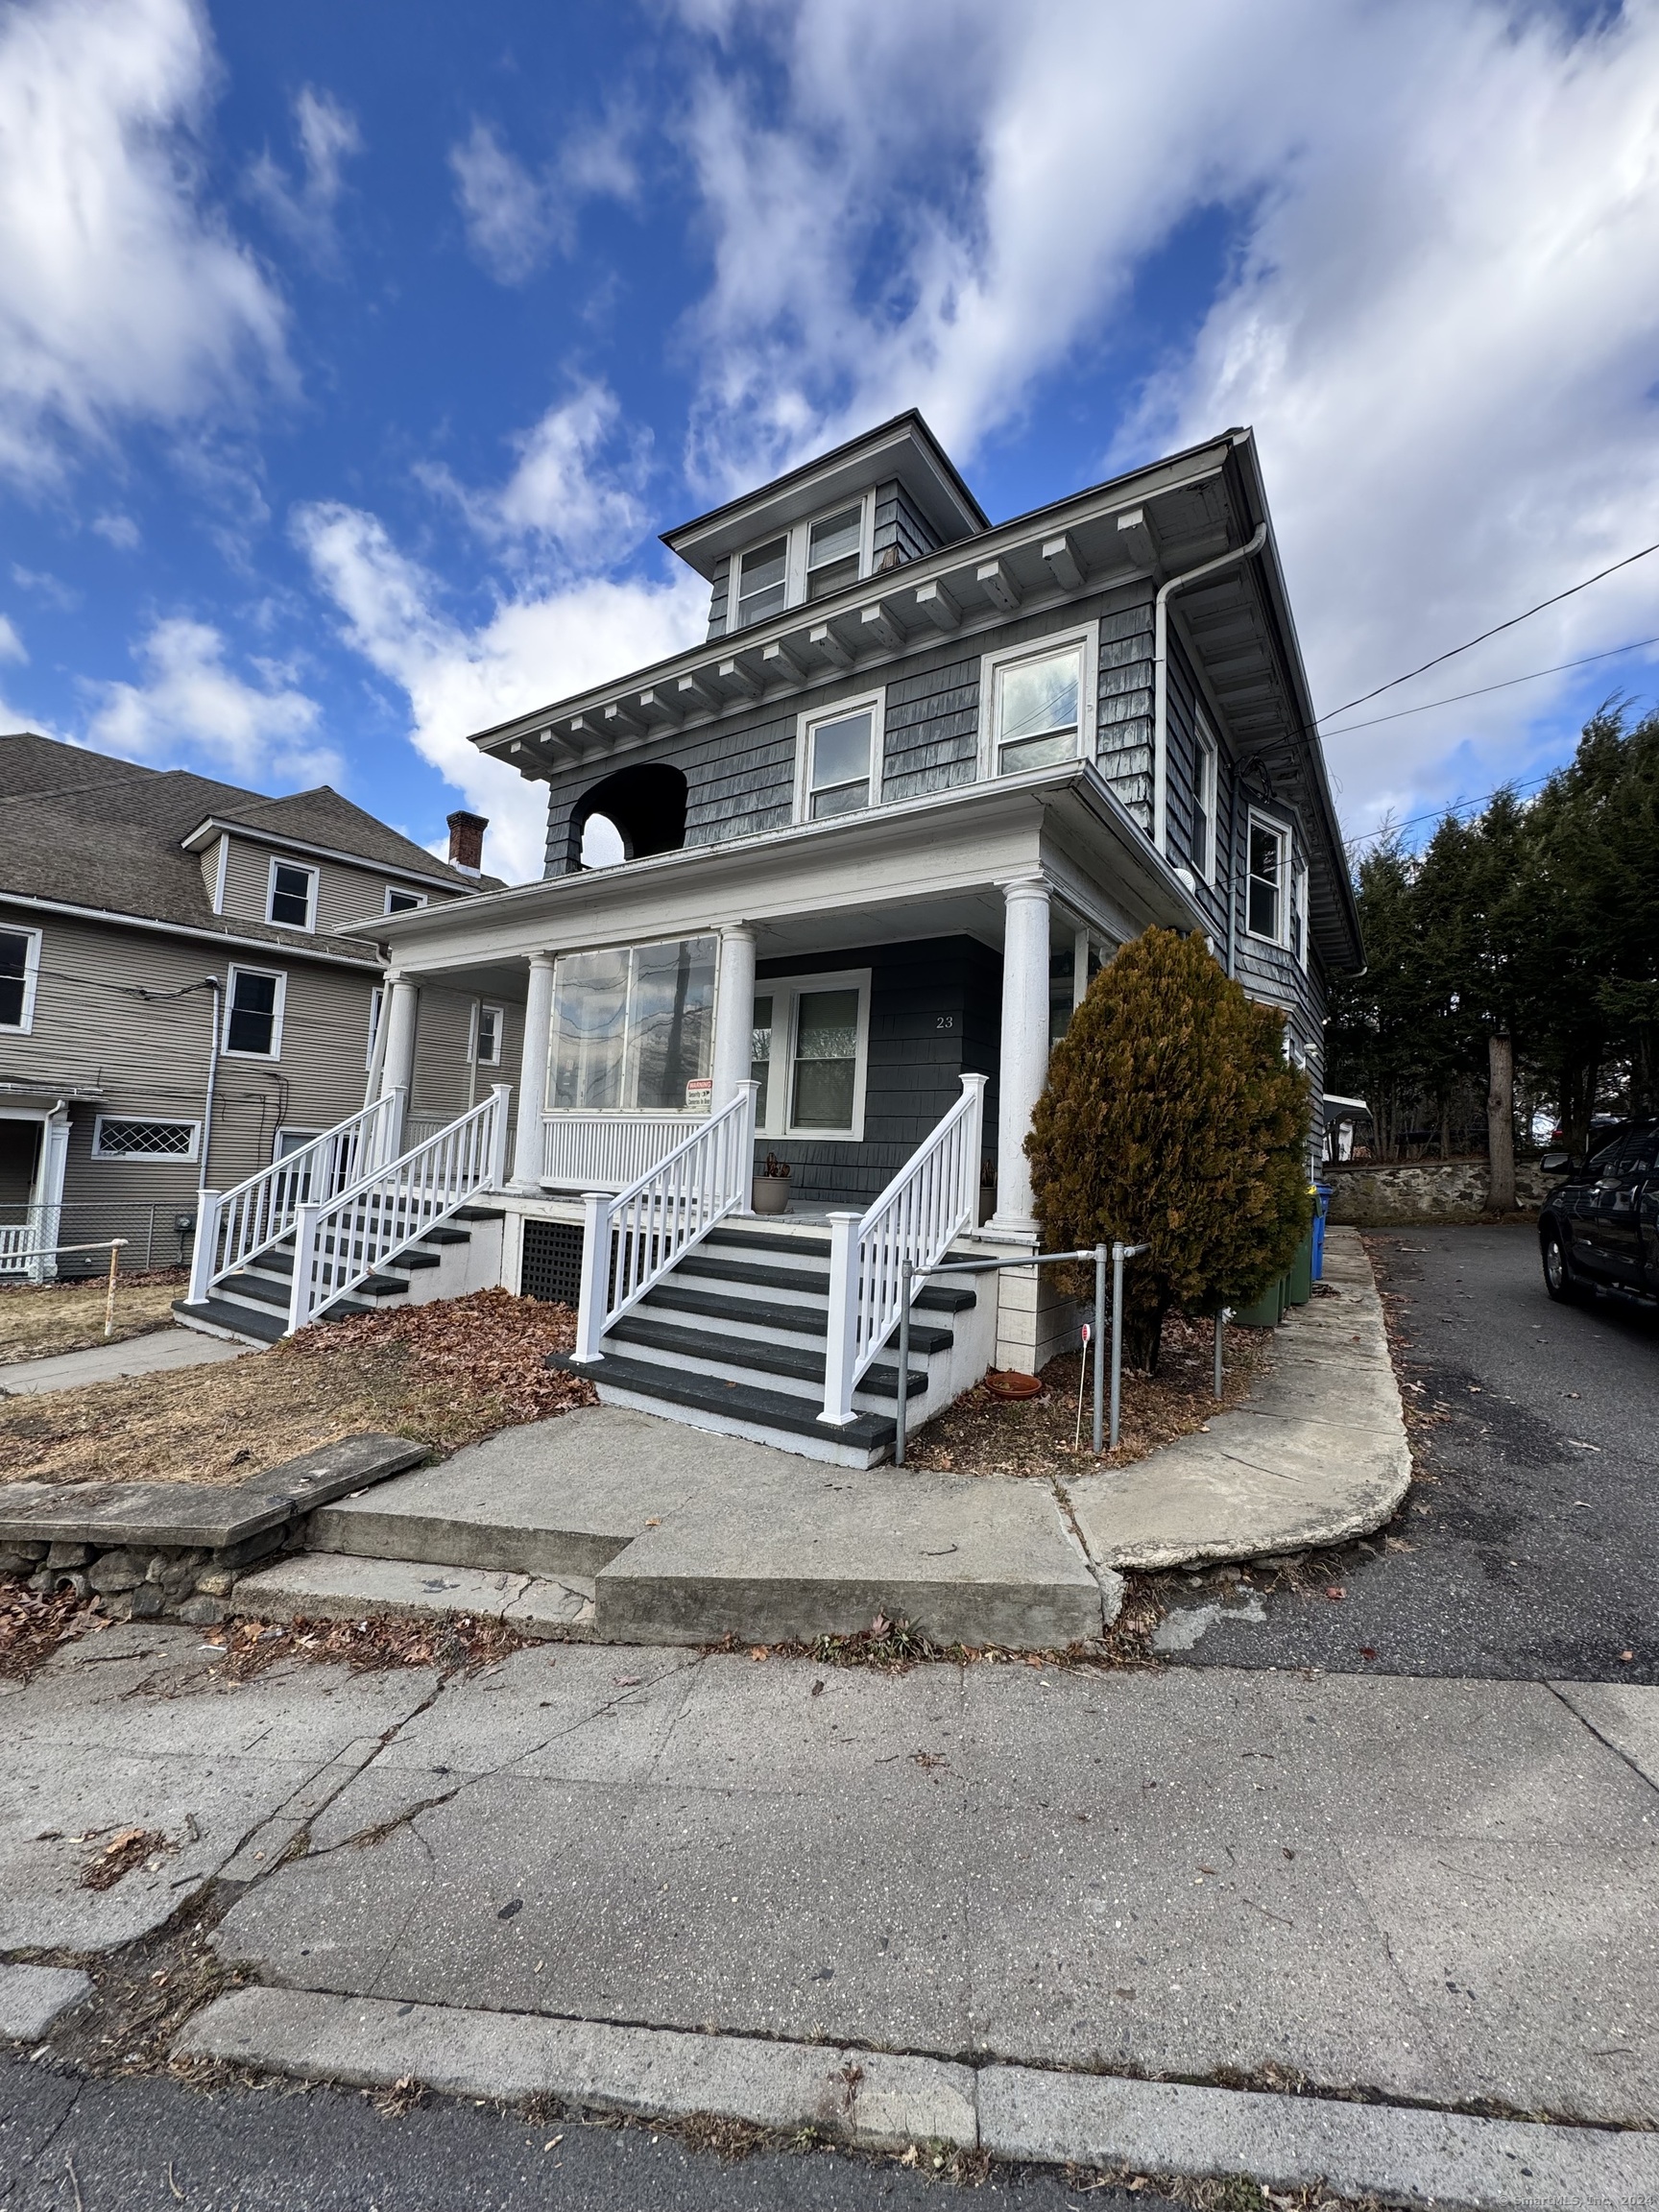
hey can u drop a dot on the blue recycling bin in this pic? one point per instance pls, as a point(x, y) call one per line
point(1323, 1194)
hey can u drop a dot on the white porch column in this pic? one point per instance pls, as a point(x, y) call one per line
point(46, 1199)
point(734, 1014)
point(1025, 1059)
point(398, 1013)
point(532, 1074)
point(1079, 967)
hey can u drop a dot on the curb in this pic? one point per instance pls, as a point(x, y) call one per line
point(882, 2101)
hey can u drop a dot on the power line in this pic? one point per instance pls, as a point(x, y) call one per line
point(1394, 682)
point(1439, 814)
point(1510, 682)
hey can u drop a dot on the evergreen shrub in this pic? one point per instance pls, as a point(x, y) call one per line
point(1173, 1119)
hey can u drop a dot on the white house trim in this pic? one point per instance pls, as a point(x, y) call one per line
point(1085, 641)
point(25, 1022)
point(147, 1121)
point(278, 1003)
point(280, 860)
point(872, 702)
point(785, 993)
point(1280, 934)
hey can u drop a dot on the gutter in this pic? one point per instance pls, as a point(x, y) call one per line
point(271, 946)
point(1161, 679)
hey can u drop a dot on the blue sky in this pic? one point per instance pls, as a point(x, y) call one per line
point(351, 357)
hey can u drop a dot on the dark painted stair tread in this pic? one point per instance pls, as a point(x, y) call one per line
point(279, 1259)
point(479, 1213)
point(799, 1320)
point(445, 1234)
point(772, 1240)
point(881, 1380)
point(241, 1319)
point(735, 1400)
point(815, 1281)
point(270, 1293)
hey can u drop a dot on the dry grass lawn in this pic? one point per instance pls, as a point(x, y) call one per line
point(446, 1374)
point(39, 1320)
point(980, 1434)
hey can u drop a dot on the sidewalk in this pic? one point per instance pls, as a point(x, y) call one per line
point(158, 1350)
point(1437, 1893)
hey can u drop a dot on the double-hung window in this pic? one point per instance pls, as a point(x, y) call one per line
point(810, 1045)
point(1204, 789)
point(808, 561)
point(253, 1014)
point(840, 758)
point(1266, 901)
point(1036, 705)
point(19, 970)
point(487, 1023)
point(293, 896)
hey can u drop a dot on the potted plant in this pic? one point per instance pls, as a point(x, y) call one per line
point(771, 1188)
point(987, 1189)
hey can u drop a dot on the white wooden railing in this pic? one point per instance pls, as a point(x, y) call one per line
point(235, 1226)
point(19, 1241)
point(631, 1240)
point(934, 1196)
point(341, 1241)
point(608, 1151)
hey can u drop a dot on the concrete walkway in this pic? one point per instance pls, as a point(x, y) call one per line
point(160, 1350)
point(627, 1868)
point(1317, 1454)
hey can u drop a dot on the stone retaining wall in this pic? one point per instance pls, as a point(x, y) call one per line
point(1370, 1194)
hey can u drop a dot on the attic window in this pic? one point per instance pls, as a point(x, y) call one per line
point(404, 901)
point(762, 586)
point(293, 891)
point(832, 552)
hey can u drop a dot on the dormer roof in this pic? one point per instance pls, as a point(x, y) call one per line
point(902, 450)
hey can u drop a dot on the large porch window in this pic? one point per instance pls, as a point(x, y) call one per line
point(809, 1054)
point(633, 1029)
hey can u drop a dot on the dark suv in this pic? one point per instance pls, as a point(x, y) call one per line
point(1601, 1225)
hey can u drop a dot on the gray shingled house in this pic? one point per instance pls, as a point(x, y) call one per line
point(180, 1002)
point(925, 774)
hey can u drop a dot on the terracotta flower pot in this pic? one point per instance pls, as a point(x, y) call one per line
point(1009, 1382)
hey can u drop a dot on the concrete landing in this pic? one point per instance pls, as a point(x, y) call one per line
point(1318, 1455)
point(327, 1586)
point(689, 1536)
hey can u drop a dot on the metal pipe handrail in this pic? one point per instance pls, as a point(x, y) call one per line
point(1120, 1255)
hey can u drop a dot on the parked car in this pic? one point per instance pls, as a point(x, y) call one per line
point(1600, 1226)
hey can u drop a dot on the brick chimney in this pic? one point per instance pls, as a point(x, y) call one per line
point(466, 841)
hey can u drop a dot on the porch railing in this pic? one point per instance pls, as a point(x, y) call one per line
point(341, 1243)
point(631, 1240)
point(930, 1201)
point(608, 1151)
point(234, 1227)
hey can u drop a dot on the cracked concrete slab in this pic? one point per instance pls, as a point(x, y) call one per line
point(32, 1997)
point(1317, 1454)
point(1623, 1713)
point(332, 1586)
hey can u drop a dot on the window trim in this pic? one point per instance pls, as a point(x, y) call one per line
point(780, 1092)
point(278, 1008)
point(148, 1121)
point(24, 1024)
point(1208, 792)
point(1256, 820)
point(481, 1007)
point(301, 867)
point(1085, 637)
point(402, 891)
point(1299, 910)
point(875, 703)
point(377, 1014)
point(798, 539)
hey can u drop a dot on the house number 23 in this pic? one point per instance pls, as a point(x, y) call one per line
point(946, 1020)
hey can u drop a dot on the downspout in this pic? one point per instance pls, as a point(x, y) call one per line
point(1161, 677)
point(213, 984)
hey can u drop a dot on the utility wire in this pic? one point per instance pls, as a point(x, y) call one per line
point(1510, 682)
point(1394, 682)
point(1439, 814)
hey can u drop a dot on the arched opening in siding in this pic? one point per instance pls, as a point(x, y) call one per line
point(640, 809)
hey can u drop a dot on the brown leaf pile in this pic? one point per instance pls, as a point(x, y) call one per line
point(126, 1848)
point(31, 1629)
point(981, 1434)
point(458, 1643)
point(446, 1374)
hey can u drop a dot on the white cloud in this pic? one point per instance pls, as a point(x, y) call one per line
point(305, 211)
point(119, 530)
point(122, 295)
point(1441, 313)
point(11, 644)
point(516, 217)
point(533, 650)
point(193, 711)
point(576, 486)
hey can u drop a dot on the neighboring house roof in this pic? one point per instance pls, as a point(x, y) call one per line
point(83, 829)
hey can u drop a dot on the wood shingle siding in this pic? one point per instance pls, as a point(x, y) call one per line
point(932, 727)
point(1123, 733)
point(719, 590)
point(901, 523)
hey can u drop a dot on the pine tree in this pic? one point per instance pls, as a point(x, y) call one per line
point(1173, 1119)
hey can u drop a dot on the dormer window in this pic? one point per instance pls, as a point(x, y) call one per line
point(293, 894)
point(809, 560)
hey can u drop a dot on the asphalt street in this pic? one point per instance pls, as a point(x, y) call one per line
point(141, 2144)
point(1528, 1546)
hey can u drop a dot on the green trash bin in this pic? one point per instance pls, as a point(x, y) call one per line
point(1299, 1282)
point(1268, 1310)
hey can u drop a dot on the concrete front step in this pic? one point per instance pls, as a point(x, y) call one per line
point(686, 1536)
point(709, 1352)
point(733, 1407)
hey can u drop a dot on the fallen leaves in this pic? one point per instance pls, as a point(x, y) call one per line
point(31, 1627)
point(126, 1849)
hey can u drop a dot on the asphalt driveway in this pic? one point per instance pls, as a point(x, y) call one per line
point(1528, 1547)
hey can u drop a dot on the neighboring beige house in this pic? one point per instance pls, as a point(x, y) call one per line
point(178, 1007)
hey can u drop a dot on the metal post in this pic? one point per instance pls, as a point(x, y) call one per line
point(1220, 1325)
point(150, 1243)
point(1117, 1339)
point(903, 1362)
point(116, 1244)
point(1100, 1349)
